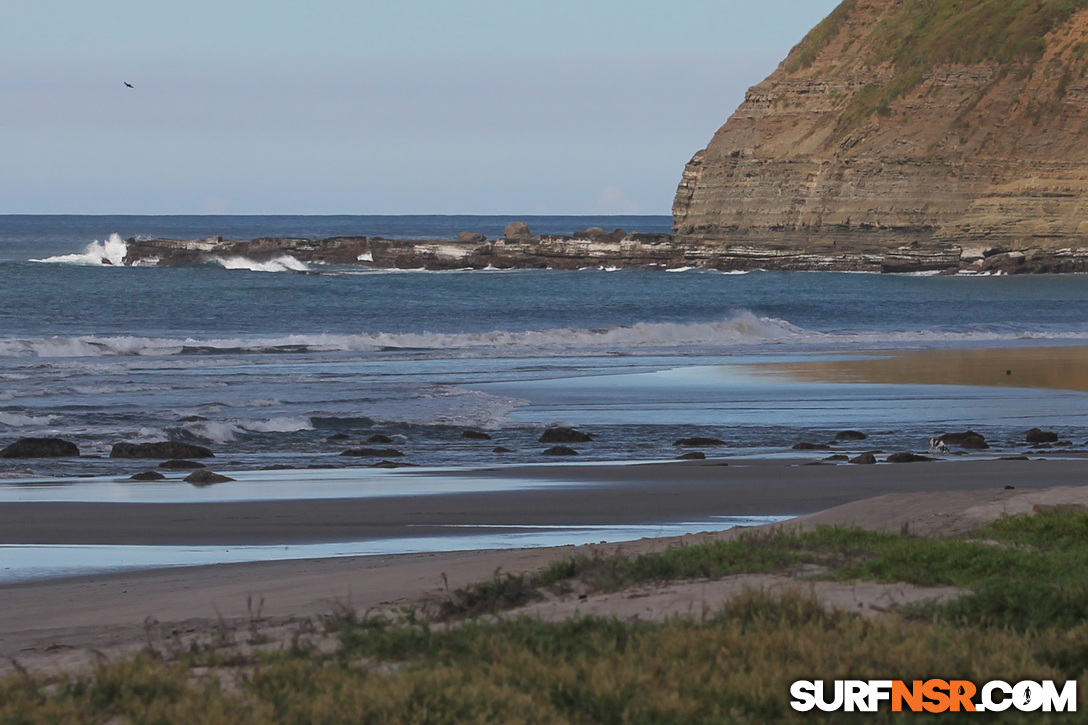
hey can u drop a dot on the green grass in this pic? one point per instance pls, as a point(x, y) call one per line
point(921, 35)
point(1024, 572)
point(804, 54)
point(734, 668)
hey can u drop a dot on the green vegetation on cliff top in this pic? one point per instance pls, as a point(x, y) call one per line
point(919, 35)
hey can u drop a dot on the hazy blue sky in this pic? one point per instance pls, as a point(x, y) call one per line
point(403, 107)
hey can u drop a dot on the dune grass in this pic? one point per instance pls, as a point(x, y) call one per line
point(1024, 572)
point(733, 668)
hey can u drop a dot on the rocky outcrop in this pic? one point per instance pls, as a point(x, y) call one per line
point(40, 448)
point(160, 450)
point(466, 252)
point(560, 451)
point(608, 250)
point(206, 478)
point(918, 134)
point(565, 435)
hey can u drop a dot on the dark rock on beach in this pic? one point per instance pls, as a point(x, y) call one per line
point(148, 476)
point(180, 465)
point(699, 442)
point(40, 448)
point(206, 478)
point(906, 457)
point(471, 238)
point(161, 450)
point(560, 451)
point(693, 456)
point(1036, 435)
point(279, 467)
point(475, 435)
point(968, 439)
point(379, 438)
point(501, 449)
point(373, 453)
point(865, 459)
point(390, 464)
point(565, 435)
point(850, 435)
point(838, 457)
point(192, 419)
point(337, 437)
point(805, 446)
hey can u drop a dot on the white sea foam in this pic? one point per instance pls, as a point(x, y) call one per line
point(284, 263)
point(451, 405)
point(111, 252)
point(282, 424)
point(215, 431)
point(261, 403)
point(742, 329)
point(16, 420)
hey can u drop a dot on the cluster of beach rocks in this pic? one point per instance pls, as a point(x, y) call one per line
point(384, 451)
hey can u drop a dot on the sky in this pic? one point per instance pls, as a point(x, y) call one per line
point(406, 107)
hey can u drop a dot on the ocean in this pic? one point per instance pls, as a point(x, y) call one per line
point(268, 366)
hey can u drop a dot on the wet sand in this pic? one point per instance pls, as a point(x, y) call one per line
point(1054, 368)
point(56, 620)
point(597, 495)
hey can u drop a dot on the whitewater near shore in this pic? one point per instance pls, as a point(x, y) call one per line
point(266, 366)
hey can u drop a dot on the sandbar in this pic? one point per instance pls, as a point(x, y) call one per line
point(1050, 367)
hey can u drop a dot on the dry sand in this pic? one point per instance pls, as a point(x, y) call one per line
point(60, 624)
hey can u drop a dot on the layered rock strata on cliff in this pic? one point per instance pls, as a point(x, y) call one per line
point(927, 125)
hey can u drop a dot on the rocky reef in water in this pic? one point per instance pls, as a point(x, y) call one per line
point(928, 134)
point(520, 249)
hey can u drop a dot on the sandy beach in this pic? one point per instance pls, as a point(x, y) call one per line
point(78, 615)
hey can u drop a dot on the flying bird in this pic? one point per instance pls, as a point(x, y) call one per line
point(128, 85)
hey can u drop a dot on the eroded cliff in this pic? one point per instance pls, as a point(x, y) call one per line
point(931, 124)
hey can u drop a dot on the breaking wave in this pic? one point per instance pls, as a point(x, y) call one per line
point(16, 420)
point(110, 252)
point(279, 264)
point(741, 330)
point(227, 431)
